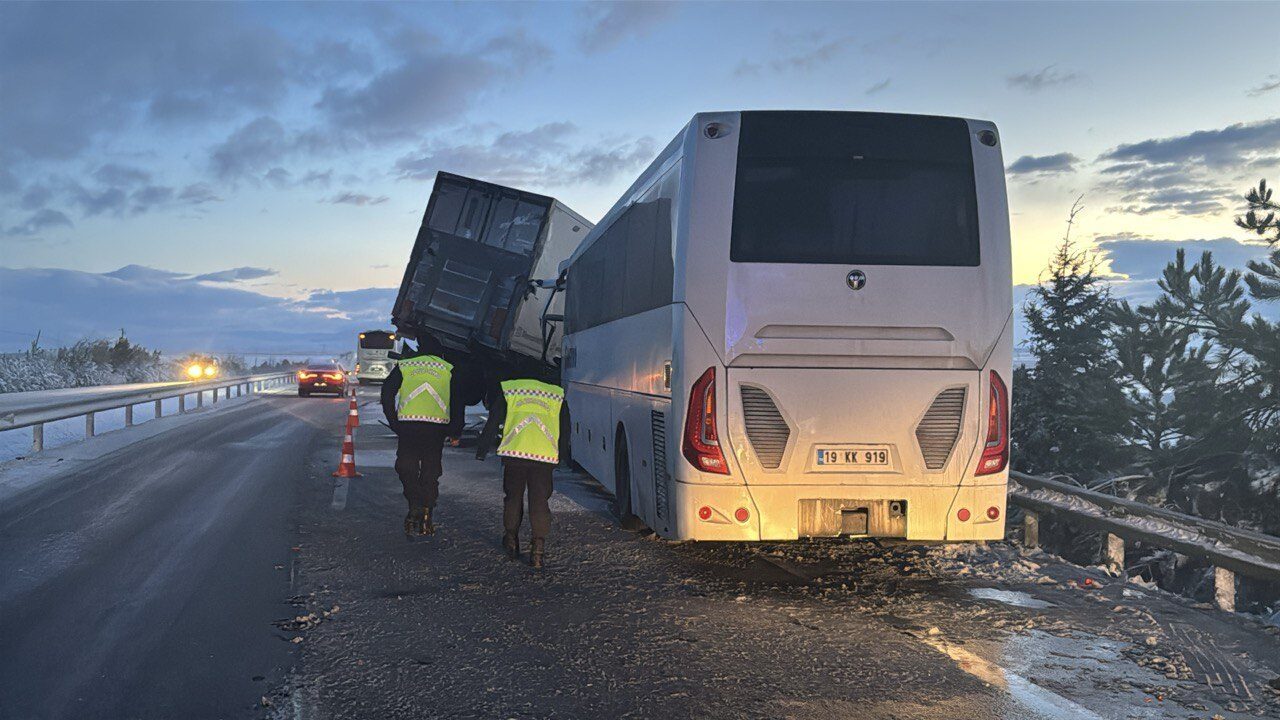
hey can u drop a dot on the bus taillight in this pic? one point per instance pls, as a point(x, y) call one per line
point(995, 454)
point(701, 440)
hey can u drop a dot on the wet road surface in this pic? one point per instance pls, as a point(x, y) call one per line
point(217, 570)
point(622, 624)
point(143, 583)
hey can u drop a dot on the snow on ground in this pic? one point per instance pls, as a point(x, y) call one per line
point(64, 439)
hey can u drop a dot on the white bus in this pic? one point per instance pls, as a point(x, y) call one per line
point(373, 363)
point(798, 324)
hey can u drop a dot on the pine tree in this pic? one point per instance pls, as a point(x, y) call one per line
point(1070, 415)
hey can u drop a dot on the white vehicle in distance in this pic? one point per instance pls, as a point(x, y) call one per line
point(372, 363)
point(798, 324)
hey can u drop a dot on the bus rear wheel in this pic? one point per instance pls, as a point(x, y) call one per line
point(622, 508)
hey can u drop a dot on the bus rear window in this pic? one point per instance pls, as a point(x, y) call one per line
point(854, 189)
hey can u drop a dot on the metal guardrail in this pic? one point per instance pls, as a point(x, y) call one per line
point(34, 409)
point(1231, 550)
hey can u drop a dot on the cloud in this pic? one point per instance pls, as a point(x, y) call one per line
point(111, 201)
point(1183, 174)
point(145, 198)
point(1177, 200)
point(544, 156)
point(142, 273)
point(36, 196)
point(198, 194)
point(878, 87)
point(1271, 83)
point(426, 88)
point(812, 58)
point(178, 313)
point(609, 24)
point(249, 149)
point(802, 52)
point(1145, 258)
point(1058, 164)
point(76, 72)
point(1041, 79)
point(40, 221)
point(113, 174)
point(1136, 264)
point(353, 198)
point(1140, 262)
point(1225, 147)
point(236, 275)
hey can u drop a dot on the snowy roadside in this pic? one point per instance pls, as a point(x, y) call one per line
point(66, 446)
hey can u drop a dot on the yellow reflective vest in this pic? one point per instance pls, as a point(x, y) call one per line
point(424, 390)
point(531, 430)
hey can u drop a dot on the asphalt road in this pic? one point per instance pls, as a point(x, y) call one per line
point(145, 583)
point(216, 570)
point(623, 625)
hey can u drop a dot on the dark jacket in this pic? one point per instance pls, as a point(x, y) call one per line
point(498, 415)
point(457, 404)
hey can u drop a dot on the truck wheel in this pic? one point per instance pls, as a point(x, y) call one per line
point(303, 393)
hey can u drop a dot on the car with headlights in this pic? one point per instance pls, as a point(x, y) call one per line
point(201, 367)
point(322, 378)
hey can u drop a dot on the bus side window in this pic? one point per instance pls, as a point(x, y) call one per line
point(641, 228)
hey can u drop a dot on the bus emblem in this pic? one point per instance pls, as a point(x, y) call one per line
point(856, 279)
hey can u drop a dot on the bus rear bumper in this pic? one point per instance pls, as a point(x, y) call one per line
point(790, 512)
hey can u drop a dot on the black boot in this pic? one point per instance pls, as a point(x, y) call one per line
point(411, 526)
point(426, 528)
point(511, 543)
point(536, 553)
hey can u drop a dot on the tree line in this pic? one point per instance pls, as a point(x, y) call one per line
point(1175, 402)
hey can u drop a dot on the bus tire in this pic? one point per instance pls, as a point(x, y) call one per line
point(622, 508)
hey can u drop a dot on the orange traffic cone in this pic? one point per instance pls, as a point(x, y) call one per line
point(347, 466)
point(353, 415)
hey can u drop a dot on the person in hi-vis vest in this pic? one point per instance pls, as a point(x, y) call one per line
point(416, 398)
point(531, 415)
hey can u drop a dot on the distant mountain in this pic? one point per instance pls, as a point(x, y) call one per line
point(175, 312)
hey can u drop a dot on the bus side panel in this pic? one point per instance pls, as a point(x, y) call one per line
point(591, 441)
point(615, 373)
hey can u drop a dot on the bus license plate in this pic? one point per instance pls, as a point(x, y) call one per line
point(866, 456)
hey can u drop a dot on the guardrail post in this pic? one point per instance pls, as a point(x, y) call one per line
point(1224, 589)
point(215, 396)
point(182, 404)
point(37, 437)
point(1113, 552)
point(1030, 529)
point(128, 416)
point(200, 399)
point(159, 409)
point(88, 425)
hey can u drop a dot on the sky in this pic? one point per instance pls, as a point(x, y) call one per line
point(250, 177)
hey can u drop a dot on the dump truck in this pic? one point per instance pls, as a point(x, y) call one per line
point(483, 275)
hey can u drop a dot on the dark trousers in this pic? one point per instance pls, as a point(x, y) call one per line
point(517, 476)
point(418, 461)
